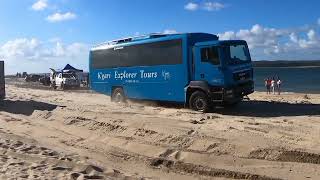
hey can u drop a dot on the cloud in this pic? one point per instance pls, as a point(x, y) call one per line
point(293, 37)
point(34, 49)
point(33, 55)
point(207, 6)
point(57, 17)
point(312, 40)
point(170, 31)
point(20, 48)
point(191, 6)
point(312, 35)
point(272, 43)
point(227, 35)
point(40, 5)
point(257, 36)
point(319, 21)
point(213, 6)
point(137, 34)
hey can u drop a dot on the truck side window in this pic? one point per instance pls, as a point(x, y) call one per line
point(210, 54)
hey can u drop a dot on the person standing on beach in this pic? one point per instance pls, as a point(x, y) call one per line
point(273, 83)
point(279, 85)
point(268, 84)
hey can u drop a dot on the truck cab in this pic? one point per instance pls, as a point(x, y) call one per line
point(222, 71)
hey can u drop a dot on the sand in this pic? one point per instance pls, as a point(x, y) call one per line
point(72, 135)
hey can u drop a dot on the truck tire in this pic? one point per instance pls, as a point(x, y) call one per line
point(118, 96)
point(199, 101)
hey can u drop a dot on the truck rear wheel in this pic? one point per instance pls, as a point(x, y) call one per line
point(118, 96)
point(199, 101)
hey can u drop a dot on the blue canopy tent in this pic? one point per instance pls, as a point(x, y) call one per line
point(69, 68)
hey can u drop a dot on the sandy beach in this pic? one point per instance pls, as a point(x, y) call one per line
point(46, 134)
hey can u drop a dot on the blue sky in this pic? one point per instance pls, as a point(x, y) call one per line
point(38, 34)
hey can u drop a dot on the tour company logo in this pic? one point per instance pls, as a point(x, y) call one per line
point(166, 75)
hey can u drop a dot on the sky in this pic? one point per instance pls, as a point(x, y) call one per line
point(36, 35)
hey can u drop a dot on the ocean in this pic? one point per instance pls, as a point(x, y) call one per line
point(294, 79)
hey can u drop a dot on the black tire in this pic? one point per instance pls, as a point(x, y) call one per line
point(53, 85)
point(199, 101)
point(62, 86)
point(118, 96)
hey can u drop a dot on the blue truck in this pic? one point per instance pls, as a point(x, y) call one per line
point(196, 69)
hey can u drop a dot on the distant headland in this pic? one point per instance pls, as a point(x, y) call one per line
point(287, 63)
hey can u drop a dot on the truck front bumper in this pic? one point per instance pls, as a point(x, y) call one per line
point(238, 91)
point(232, 94)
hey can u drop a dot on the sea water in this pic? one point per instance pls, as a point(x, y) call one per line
point(294, 79)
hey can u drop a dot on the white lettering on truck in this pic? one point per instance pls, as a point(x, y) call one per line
point(148, 74)
point(103, 76)
point(124, 75)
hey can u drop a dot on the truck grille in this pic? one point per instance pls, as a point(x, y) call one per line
point(243, 75)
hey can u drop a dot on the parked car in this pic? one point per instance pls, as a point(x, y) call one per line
point(32, 78)
point(45, 80)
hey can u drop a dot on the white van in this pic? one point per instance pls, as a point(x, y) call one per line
point(64, 80)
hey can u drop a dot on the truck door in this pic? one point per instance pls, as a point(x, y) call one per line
point(207, 65)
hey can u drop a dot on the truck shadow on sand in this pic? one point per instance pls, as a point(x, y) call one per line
point(256, 108)
point(251, 108)
point(25, 107)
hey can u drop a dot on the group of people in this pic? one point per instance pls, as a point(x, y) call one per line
point(273, 84)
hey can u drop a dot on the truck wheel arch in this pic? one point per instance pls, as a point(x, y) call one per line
point(196, 86)
point(118, 88)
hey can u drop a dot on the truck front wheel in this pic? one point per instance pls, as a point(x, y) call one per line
point(118, 96)
point(199, 101)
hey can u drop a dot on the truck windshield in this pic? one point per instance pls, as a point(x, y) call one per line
point(236, 53)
